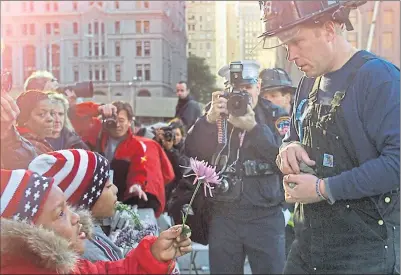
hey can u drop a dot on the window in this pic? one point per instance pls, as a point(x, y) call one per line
point(118, 72)
point(138, 48)
point(116, 5)
point(75, 5)
point(103, 49)
point(97, 77)
point(31, 6)
point(90, 28)
point(189, 45)
point(388, 17)
point(200, 46)
point(96, 27)
point(7, 58)
point(139, 71)
point(118, 53)
point(55, 6)
point(55, 64)
point(90, 49)
point(146, 4)
point(138, 4)
point(147, 48)
point(138, 26)
point(32, 29)
point(24, 29)
point(47, 6)
point(24, 9)
point(56, 29)
point(29, 60)
point(147, 72)
point(200, 18)
point(103, 74)
point(146, 26)
point(208, 45)
point(90, 73)
point(102, 27)
point(75, 27)
point(387, 40)
point(9, 30)
point(76, 74)
point(96, 49)
point(75, 49)
point(117, 27)
point(48, 28)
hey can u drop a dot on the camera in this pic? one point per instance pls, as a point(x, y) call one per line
point(109, 123)
point(237, 99)
point(81, 89)
point(169, 134)
point(6, 81)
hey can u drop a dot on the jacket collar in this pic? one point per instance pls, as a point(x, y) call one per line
point(38, 246)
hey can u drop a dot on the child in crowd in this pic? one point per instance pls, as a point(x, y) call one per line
point(40, 234)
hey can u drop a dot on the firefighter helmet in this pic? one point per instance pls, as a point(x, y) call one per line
point(275, 78)
point(284, 17)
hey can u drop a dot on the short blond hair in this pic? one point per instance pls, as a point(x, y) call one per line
point(37, 80)
point(60, 98)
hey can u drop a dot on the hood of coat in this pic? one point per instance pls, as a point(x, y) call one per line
point(39, 246)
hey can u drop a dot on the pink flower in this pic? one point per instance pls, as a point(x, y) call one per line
point(206, 174)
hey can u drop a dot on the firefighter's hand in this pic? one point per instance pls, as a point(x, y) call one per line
point(246, 122)
point(290, 156)
point(136, 189)
point(302, 188)
point(218, 107)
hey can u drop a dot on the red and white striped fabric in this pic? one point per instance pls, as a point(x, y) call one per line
point(23, 194)
point(79, 173)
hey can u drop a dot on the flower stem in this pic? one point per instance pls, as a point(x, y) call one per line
point(190, 202)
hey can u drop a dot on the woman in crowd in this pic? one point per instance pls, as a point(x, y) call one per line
point(63, 136)
point(40, 234)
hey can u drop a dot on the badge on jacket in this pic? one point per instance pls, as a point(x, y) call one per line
point(283, 125)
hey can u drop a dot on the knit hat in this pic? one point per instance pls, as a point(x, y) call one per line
point(81, 174)
point(23, 194)
point(26, 103)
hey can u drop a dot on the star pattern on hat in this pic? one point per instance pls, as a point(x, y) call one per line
point(101, 175)
point(28, 207)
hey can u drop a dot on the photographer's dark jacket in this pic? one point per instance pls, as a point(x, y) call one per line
point(188, 110)
point(261, 143)
point(128, 162)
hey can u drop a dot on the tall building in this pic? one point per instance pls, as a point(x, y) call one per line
point(129, 49)
point(205, 28)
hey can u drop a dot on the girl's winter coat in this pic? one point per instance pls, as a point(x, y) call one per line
point(29, 249)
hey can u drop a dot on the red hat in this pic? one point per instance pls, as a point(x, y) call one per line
point(23, 194)
point(81, 174)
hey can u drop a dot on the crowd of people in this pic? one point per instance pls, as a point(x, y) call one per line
point(308, 175)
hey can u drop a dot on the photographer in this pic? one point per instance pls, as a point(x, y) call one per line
point(246, 209)
point(107, 130)
point(172, 139)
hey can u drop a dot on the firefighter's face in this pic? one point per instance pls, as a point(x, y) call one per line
point(312, 50)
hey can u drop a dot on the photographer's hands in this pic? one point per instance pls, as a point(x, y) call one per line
point(107, 110)
point(246, 122)
point(218, 107)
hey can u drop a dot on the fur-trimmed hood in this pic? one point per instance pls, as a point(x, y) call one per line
point(37, 246)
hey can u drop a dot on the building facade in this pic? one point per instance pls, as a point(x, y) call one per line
point(129, 49)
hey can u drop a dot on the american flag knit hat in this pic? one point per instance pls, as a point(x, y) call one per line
point(23, 194)
point(79, 173)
